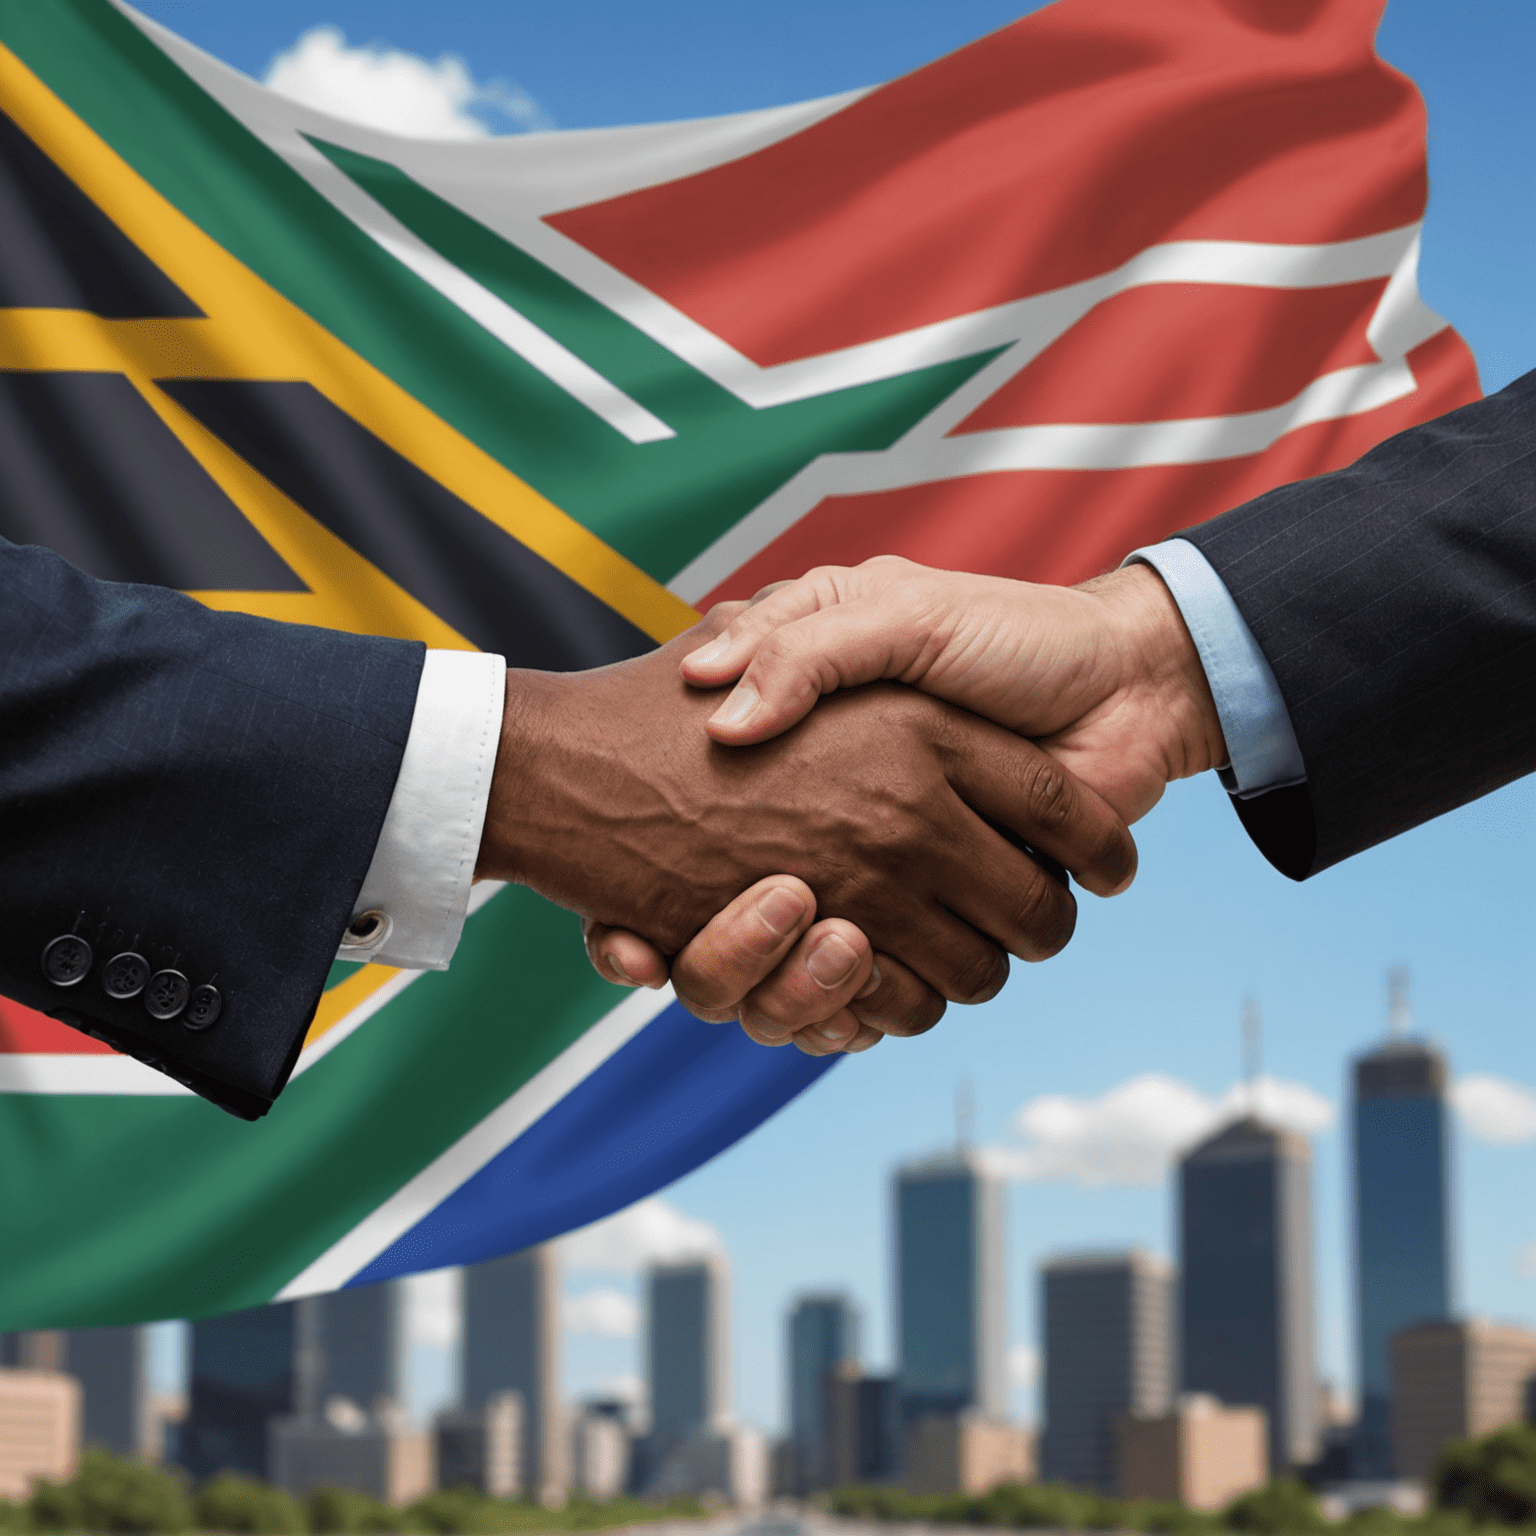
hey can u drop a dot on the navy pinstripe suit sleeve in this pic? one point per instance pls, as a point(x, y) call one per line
point(204, 789)
point(1395, 601)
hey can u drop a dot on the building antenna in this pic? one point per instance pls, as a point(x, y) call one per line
point(965, 1115)
point(1399, 1015)
point(1253, 1050)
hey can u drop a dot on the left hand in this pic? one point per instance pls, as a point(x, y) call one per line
point(766, 963)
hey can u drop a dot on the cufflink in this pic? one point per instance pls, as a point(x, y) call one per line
point(368, 930)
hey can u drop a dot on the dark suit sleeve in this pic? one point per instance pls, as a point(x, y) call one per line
point(202, 789)
point(1396, 602)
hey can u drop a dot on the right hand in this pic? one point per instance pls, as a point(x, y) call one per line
point(1104, 676)
point(609, 798)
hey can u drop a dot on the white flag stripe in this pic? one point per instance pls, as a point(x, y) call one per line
point(467, 1156)
point(35, 1072)
point(1401, 321)
point(509, 326)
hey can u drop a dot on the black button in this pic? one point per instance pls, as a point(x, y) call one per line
point(205, 1007)
point(124, 975)
point(66, 960)
point(166, 995)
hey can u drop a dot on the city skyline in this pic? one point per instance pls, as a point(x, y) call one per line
point(650, 1228)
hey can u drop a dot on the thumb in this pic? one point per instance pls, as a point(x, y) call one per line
point(855, 642)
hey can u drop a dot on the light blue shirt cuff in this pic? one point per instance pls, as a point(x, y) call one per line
point(1262, 751)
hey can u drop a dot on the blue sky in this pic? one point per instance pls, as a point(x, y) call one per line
point(1154, 981)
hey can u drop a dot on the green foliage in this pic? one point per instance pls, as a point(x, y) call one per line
point(233, 1502)
point(1284, 1506)
point(346, 1512)
point(1492, 1480)
point(111, 1493)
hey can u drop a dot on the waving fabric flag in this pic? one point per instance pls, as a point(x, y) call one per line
point(1091, 279)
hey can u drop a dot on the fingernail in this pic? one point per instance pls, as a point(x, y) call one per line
point(706, 654)
point(781, 910)
point(830, 962)
point(834, 1032)
point(872, 984)
point(737, 709)
point(619, 971)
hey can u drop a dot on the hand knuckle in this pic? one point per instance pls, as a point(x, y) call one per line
point(980, 978)
point(1047, 916)
point(1048, 793)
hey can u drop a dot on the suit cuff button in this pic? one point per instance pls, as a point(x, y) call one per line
point(166, 995)
point(124, 976)
point(66, 960)
point(368, 930)
point(204, 1007)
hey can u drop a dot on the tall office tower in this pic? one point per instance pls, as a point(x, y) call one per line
point(951, 1288)
point(359, 1339)
point(512, 1344)
point(244, 1373)
point(1108, 1331)
point(687, 1352)
point(1402, 1214)
point(823, 1332)
point(1246, 1328)
point(112, 1367)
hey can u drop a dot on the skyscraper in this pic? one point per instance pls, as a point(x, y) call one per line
point(1402, 1215)
point(112, 1367)
point(823, 1332)
point(687, 1351)
point(512, 1344)
point(243, 1374)
point(1246, 1327)
point(359, 1336)
point(951, 1297)
point(1108, 1331)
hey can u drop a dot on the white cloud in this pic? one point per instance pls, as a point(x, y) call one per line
point(432, 1309)
point(383, 87)
point(1495, 1109)
point(1131, 1133)
point(648, 1232)
point(1023, 1365)
point(605, 1311)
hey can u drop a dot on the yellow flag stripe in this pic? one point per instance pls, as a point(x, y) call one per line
point(253, 332)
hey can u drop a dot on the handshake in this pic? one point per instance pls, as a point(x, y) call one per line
point(876, 815)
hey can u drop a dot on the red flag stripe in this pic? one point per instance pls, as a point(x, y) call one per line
point(1039, 156)
point(23, 1030)
point(1067, 525)
point(1188, 349)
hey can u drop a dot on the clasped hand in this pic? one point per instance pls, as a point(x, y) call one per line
point(833, 850)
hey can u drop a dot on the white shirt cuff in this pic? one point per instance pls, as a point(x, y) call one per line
point(410, 911)
point(1262, 750)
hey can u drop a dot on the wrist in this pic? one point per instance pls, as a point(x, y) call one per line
point(522, 816)
point(1158, 660)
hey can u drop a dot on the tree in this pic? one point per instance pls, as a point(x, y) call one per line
point(112, 1493)
point(1283, 1506)
point(1493, 1480)
point(232, 1502)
